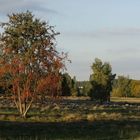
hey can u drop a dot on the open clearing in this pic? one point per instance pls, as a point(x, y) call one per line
point(74, 119)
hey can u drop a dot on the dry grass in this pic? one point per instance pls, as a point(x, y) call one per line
point(124, 99)
point(72, 117)
point(75, 119)
point(79, 109)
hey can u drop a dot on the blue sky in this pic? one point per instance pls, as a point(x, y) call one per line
point(107, 29)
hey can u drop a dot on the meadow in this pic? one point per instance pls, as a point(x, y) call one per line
point(73, 119)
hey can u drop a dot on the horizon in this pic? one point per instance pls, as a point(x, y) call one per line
point(109, 30)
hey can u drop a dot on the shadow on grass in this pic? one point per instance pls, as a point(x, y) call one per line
point(97, 130)
point(87, 100)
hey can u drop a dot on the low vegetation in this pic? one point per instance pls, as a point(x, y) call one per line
point(67, 110)
point(75, 118)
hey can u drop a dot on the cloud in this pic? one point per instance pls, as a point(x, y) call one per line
point(125, 51)
point(8, 6)
point(105, 33)
point(120, 32)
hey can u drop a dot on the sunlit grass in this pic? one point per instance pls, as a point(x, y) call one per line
point(124, 99)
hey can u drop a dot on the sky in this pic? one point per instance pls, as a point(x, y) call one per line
point(105, 29)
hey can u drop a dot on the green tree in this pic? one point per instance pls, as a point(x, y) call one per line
point(29, 56)
point(122, 87)
point(84, 88)
point(74, 87)
point(69, 85)
point(66, 85)
point(101, 81)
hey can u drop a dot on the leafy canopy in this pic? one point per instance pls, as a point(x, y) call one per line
point(101, 80)
point(29, 56)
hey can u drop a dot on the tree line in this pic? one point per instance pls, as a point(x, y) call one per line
point(102, 84)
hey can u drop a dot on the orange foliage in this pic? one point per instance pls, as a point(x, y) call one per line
point(30, 58)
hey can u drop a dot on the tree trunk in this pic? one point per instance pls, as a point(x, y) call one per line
point(23, 108)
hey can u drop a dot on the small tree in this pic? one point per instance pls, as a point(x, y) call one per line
point(135, 88)
point(66, 85)
point(101, 81)
point(122, 87)
point(29, 57)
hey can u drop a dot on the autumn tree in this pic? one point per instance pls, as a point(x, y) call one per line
point(101, 81)
point(135, 88)
point(29, 57)
point(122, 87)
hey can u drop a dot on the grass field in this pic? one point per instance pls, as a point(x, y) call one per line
point(74, 119)
point(122, 99)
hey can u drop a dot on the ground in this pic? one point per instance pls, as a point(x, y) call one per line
point(74, 119)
